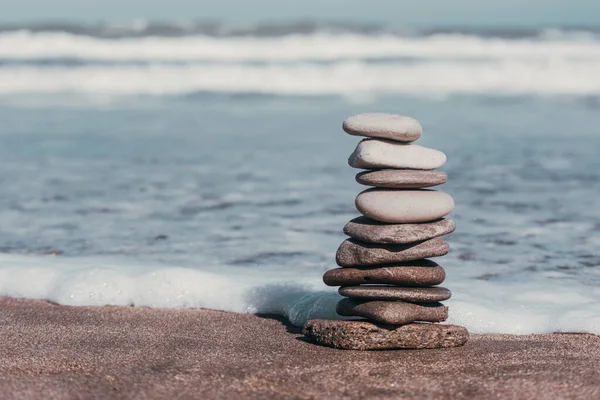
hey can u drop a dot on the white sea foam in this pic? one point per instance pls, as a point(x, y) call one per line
point(318, 46)
point(539, 305)
point(344, 78)
point(303, 65)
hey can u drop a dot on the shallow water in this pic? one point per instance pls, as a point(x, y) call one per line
point(236, 201)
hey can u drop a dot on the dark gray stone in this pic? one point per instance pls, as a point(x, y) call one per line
point(392, 312)
point(412, 294)
point(414, 273)
point(362, 335)
point(368, 230)
point(402, 178)
point(353, 253)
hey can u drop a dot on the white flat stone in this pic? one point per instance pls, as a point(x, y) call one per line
point(381, 125)
point(404, 206)
point(378, 153)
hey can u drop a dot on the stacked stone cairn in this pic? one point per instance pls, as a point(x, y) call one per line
point(385, 275)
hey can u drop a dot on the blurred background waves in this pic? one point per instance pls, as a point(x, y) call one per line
point(294, 59)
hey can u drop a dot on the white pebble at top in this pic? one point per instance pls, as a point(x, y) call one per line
point(386, 126)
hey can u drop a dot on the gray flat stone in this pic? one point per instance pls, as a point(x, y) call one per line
point(362, 335)
point(411, 294)
point(392, 312)
point(353, 253)
point(382, 125)
point(416, 273)
point(371, 231)
point(401, 178)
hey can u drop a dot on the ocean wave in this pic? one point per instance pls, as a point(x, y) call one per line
point(314, 47)
point(508, 77)
point(140, 28)
point(315, 64)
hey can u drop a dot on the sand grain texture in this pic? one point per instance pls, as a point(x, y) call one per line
point(58, 352)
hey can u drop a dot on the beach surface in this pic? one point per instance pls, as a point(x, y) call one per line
point(59, 352)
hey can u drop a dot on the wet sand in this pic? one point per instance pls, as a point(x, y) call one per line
point(57, 352)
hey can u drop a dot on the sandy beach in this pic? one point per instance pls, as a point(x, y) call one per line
point(58, 352)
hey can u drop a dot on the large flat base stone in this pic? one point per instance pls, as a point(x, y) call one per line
point(362, 335)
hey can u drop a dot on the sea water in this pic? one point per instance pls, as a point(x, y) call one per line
point(206, 167)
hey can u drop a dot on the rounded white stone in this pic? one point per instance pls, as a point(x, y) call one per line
point(382, 125)
point(404, 206)
point(378, 153)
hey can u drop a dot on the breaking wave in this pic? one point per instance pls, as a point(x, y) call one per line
point(304, 60)
point(482, 307)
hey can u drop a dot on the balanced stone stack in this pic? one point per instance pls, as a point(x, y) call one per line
point(385, 275)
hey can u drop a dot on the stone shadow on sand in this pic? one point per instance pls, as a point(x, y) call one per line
point(291, 328)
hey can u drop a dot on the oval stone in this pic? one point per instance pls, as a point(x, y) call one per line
point(383, 125)
point(370, 231)
point(364, 335)
point(411, 294)
point(415, 273)
point(404, 206)
point(392, 312)
point(379, 153)
point(401, 178)
point(353, 253)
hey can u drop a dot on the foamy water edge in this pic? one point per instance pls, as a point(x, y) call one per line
point(511, 307)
